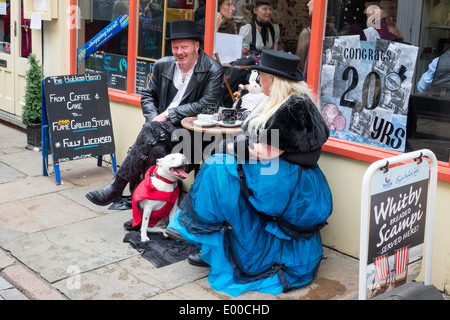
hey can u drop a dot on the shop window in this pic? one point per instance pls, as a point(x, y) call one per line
point(103, 40)
point(25, 34)
point(282, 22)
point(368, 90)
point(154, 18)
point(254, 26)
point(5, 29)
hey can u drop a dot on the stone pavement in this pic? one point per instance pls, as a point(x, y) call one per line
point(55, 244)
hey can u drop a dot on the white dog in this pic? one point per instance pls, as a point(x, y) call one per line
point(156, 197)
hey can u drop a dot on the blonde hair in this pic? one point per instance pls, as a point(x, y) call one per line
point(281, 90)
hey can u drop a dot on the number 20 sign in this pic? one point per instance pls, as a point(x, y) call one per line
point(365, 88)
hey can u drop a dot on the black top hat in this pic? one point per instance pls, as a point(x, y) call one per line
point(184, 29)
point(281, 64)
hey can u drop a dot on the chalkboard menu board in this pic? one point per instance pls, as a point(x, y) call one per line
point(79, 118)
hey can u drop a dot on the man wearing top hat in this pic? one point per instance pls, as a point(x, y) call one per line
point(180, 86)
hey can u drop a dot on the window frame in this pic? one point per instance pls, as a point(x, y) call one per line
point(349, 149)
point(129, 96)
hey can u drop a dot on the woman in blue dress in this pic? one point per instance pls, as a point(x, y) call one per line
point(256, 209)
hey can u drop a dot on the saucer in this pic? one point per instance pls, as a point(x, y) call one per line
point(205, 125)
point(229, 125)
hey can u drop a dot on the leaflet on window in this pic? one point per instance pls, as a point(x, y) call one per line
point(2, 7)
point(107, 33)
point(365, 88)
point(229, 47)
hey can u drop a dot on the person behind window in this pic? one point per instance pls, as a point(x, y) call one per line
point(6, 39)
point(200, 11)
point(303, 41)
point(377, 20)
point(180, 86)
point(120, 39)
point(268, 241)
point(261, 34)
point(353, 19)
point(224, 19)
point(436, 80)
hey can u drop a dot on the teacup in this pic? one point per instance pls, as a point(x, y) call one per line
point(205, 118)
point(229, 116)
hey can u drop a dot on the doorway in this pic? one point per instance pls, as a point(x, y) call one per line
point(15, 47)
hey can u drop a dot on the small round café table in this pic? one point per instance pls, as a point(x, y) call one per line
point(188, 123)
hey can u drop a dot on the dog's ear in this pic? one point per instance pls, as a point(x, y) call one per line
point(158, 161)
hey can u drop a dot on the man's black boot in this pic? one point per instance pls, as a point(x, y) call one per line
point(112, 192)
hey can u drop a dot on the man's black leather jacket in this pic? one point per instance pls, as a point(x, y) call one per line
point(203, 89)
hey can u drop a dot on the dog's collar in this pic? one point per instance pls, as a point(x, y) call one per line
point(162, 178)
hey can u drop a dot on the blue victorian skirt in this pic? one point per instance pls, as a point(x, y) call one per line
point(267, 240)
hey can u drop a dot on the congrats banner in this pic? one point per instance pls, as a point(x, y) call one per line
point(107, 33)
point(365, 88)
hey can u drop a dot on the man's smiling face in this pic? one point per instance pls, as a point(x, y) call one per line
point(186, 52)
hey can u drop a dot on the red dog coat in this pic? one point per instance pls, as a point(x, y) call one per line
point(146, 190)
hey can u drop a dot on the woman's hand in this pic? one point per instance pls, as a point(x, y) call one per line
point(262, 151)
point(219, 20)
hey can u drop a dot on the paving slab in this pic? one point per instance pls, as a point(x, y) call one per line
point(5, 259)
point(25, 161)
point(12, 294)
point(13, 140)
point(30, 187)
point(86, 245)
point(188, 291)
point(5, 284)
point(78, 195)
point(117, 281)
point(40, 213)
point(177, 274)
point(131, 279)
point(8, 174)
point(83, 172)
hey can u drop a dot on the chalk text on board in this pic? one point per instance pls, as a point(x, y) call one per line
point(74, 125)
point(97, 140)
point(79, 97)
point(67, 143)
point(55, 98)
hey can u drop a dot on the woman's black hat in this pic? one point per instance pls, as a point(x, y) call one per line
point(280, 64)
point(184, 29)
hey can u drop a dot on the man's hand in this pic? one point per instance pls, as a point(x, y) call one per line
point(160, 117)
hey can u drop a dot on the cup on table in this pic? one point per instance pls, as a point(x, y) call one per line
point(229, 116)
point(206, 118)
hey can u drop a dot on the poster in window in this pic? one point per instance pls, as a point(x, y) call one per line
point(151, 29)
point(365, 88)
point(113, 65)
point(143, 73)
point(3, 7)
